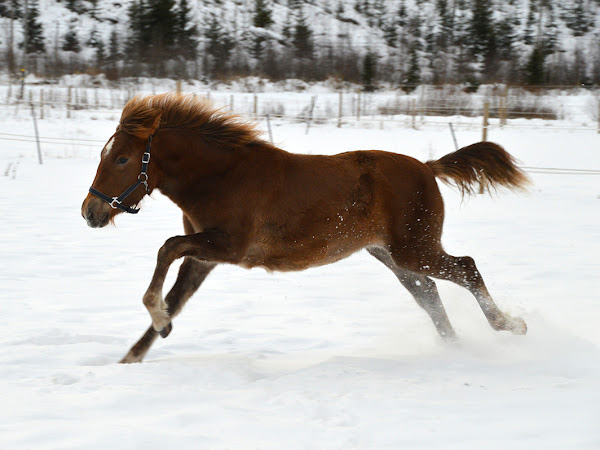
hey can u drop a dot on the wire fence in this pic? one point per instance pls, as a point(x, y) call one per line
point(574, 110)
point(426, 107)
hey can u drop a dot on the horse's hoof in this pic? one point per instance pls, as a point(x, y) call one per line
point(518, 326)
point(166, 330)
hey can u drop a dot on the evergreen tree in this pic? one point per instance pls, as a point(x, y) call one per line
point(529, 34)
point(75, 5)
point(100, 55)
point(11, 9)
point(286, 31)
point(577, 19)
point(33, 41)
point(138, 37)
point(262, 14)
point(369, 71)
point(186, 35)
point(71, 41)
point(114, 54)
point(302, 37)
point(534, 69)
point(413, 77)
point(482, 35)
point(219, 45)
point(161, 21)
point(401, 16)
point(390, 34)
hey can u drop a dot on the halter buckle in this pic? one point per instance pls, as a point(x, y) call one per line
point(146, 158)
point(115, 203)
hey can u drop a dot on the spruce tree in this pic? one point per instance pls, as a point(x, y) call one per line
point(302, 37)
point(33, 41)
point(219, 45)
point(369, 71)
point(11, 9)
point(186, 34)
point(71, 41)
point(413, 76)
point(262, 14)
point(534, 69)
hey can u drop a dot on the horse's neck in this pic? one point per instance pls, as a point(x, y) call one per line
point(185, 162)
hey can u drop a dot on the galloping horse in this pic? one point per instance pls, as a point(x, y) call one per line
point(247, 202)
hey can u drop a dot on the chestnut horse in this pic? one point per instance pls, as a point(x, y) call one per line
point(247, 202)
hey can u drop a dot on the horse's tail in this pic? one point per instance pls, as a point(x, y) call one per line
point(480, 167)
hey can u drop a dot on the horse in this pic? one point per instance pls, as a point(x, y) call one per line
point(247, 202)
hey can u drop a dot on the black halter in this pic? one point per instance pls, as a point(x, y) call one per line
point(115, 202)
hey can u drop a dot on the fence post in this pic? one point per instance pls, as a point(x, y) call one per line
point(413, 112)
point(486, 113)
point(69, 103)
point(358, 108)
point(598, 116)
point(255, 105)
point(231, 102)
point(339, 125)
point(178, 84)
point(42, 104)
point(269, 128)
point(37, 136)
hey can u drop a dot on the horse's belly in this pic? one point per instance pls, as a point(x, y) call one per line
point(300, 255)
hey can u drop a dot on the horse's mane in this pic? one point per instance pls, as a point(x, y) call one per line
point(143, 115)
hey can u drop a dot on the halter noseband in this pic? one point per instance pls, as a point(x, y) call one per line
point(116, 202)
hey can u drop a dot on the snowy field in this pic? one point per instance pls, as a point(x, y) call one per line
point(333, 357)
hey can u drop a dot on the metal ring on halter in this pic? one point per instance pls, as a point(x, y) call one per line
point(115, 200)
point(145, 177)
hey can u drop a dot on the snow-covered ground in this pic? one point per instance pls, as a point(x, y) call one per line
point(334, 357)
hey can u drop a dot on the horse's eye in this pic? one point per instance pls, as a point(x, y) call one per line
point(122, 160)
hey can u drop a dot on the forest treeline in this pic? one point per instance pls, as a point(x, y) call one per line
point(407, 42)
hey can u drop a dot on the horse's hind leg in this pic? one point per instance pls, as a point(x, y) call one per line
point(191, 275)
point(462, 271)
point(423, 289)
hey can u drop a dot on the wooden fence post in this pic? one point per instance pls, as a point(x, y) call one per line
point(486, 113)
point(358, 108)
point(41, 104)
point(178, 84)
point(69, 103)
point(413, 112)
point(255, 105)
point(339, 125)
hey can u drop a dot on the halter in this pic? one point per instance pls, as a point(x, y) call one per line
point(116, 202)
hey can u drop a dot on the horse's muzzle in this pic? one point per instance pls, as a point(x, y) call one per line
point(95, 212)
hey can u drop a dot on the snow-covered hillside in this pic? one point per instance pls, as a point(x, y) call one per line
point(439, 32)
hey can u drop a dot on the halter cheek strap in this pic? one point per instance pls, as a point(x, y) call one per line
point(116, 202)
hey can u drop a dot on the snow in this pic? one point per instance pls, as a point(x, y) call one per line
point(333, 357)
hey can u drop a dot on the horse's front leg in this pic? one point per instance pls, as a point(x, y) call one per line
point(210, 246)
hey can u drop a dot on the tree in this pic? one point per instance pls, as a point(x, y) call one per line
point(219, 45)
point(11, 9)
point(302, 37)
point(71, 41)
point(369, 71)
point(482, 35)
point(413, 77)
point(186, 34)
point(33, 41)
point(534, 69)
point(262, 14)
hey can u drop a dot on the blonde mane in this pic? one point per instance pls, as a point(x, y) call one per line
point(144, 115)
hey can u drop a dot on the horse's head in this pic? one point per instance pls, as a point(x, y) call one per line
point(121, 169)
